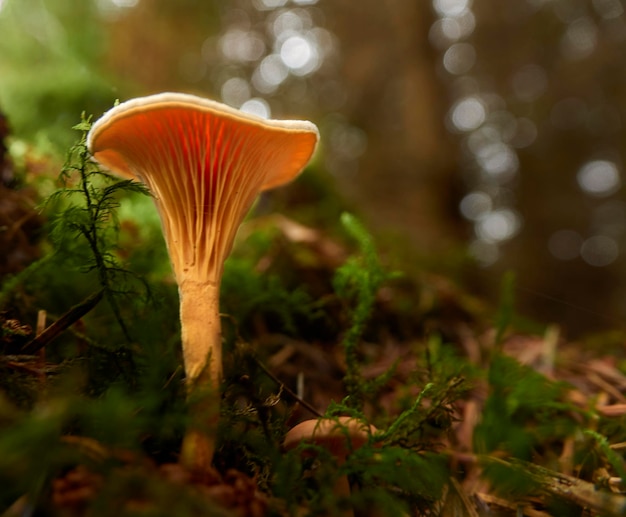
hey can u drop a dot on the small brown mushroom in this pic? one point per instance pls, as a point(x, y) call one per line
point(205, 164)
point(340, 436)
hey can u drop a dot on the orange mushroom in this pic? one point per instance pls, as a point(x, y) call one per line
point(205, 164)
point(340, 436)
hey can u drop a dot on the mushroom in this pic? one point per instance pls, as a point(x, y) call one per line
point(340, 436)
point(205, 163)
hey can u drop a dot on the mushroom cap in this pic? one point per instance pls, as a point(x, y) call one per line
point(339, 435)
point(203, 125)
point(205, 164)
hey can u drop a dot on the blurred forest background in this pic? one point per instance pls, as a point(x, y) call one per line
point(482, 136)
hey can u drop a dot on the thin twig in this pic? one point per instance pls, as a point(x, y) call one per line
point(578, 491)
point(267, 372)
point(287, 390)
point(65, 321)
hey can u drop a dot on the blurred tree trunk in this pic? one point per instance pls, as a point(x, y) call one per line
point(579, 296)
point(407, 178)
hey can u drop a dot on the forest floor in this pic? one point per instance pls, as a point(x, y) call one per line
point(475, 414)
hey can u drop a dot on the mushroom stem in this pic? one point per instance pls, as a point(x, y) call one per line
point(202, 354)
point(341, 492)
point(201, 332)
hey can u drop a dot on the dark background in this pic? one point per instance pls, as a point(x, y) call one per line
point(488, 135)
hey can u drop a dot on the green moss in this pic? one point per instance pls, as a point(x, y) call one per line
point(356, 283)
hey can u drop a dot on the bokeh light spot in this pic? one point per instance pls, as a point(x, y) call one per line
point(599, 178)
point(299, 54)
point(109, 8)
point(599, 250)
point(270, 73)
point(235, 91)
point(288, 20)
point(264, 5)
point(459, 58)
point(608, 9)
point(475, 205)
point(450, 29)
point(580, 38)
point(467, 114)
point(295, 52)
point(498, 160)
point(242, 45)
point(451, 7)
point(257, 107)
point(565, 244)
point(499, 225)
